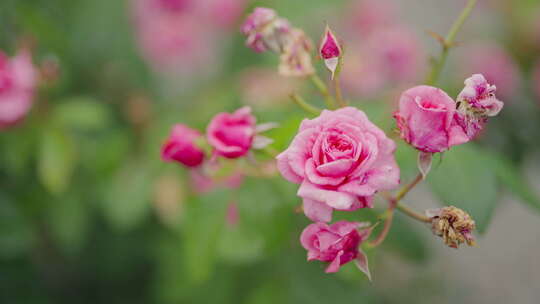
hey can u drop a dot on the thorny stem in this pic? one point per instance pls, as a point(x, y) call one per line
point(449, 42)
point(323, 89)
point(304, 105)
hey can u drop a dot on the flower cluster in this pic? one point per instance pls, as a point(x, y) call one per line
point(18, 78)
point(266, 31)
point(431, 121)
point(230, 135)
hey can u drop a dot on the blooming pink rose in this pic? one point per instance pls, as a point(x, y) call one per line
point(426, 120)
point(232, 134)
point(337, 243)
point(17, 83)
point(341, 160)
point(181, 147)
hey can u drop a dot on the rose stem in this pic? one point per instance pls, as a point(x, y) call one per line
point(448, 42)
point(323, 90)
point(339, 97)
point(393, 202)
point(304, 105)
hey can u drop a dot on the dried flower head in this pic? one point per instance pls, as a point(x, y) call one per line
point(265, 30)
point(454, 225)
point(296, 58)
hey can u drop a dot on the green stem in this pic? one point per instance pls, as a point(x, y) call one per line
point(408, 211)
point(448, 42)
point(323, 89)
point(304, 105)
point(339, 97)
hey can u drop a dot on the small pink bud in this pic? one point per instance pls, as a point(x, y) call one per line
point(180, 147)
point(232, 134)
point(330, 50)
point(265, 30)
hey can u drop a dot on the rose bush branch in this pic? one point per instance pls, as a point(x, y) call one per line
point(448, 43)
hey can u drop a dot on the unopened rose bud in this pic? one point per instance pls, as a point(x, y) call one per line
point(181, 147)
point(265, 30)
point(296, 58)
point(454, 225)
point(330, 50)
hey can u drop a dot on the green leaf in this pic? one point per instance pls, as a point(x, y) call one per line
point(56, 160)
point(466, 179)
point(511, 177)
point(204, 220)
point(83, 113)
point(127, 200)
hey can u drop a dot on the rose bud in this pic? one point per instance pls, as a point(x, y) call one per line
point(232, 134)
point(476, 103)
point(330, 50)
point(296, 58)
point(426, 121)
point(341, 160)
point(337, 244)
point(265, 30)
point(454, 225)
point(181, 147)
point(17, 83)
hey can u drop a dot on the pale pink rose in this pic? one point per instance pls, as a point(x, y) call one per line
point(232, 134)
point(476, 102)
point(173, 39)
point(367, 16)
point(426, 120)
point(341, 160)
point(181, 147)
point(387, 58)
point(18, 78)
point(497, 66)
point(337, 244)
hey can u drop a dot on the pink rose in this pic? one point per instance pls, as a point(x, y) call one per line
point(426, 120)
point(341, 160)
point(232, 134)
point(337, 243)
point(17, 84)
point(181, 147)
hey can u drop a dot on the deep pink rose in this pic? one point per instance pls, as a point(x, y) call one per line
point(426, 120)
point(181, 147)
point(232, 134)
point(341, 160)
point(17, 84)
point(337, 243)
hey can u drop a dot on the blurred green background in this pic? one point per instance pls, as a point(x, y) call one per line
point(90, 214)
